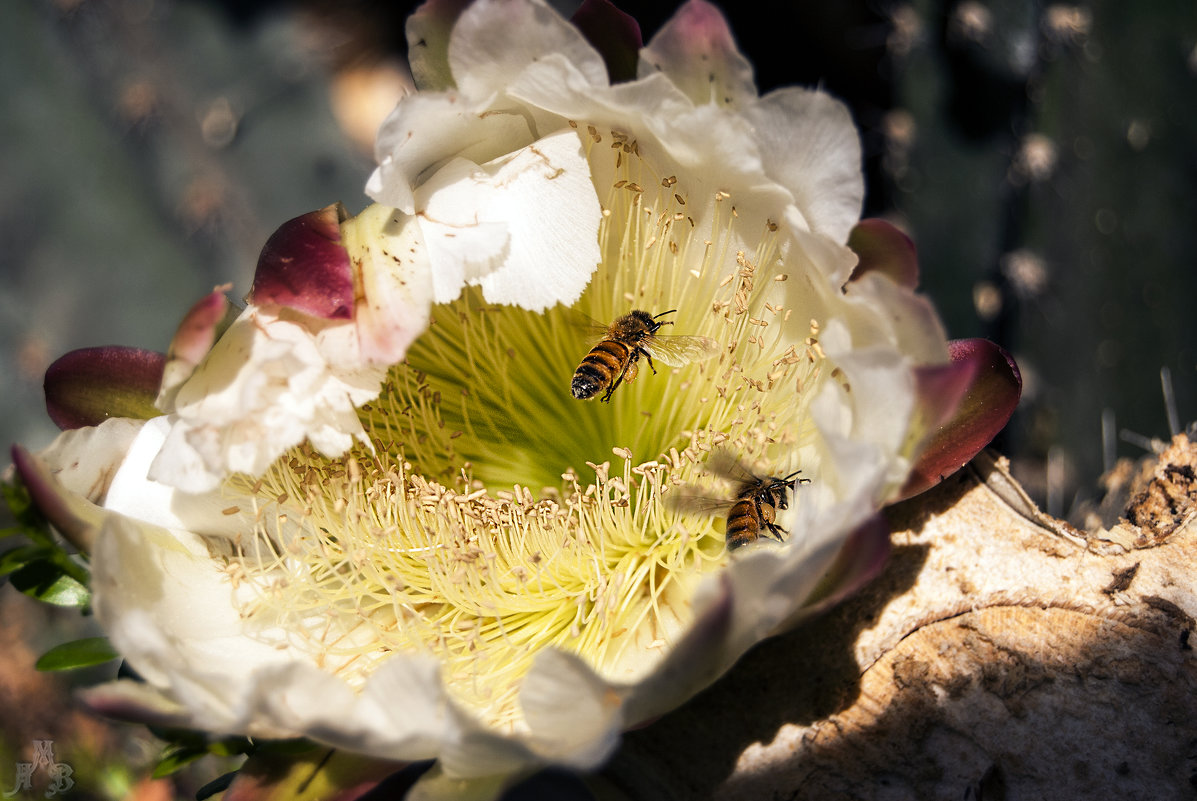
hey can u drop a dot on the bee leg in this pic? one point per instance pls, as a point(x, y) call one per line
point(607, 396)
point(628, 373)
point(649, 357)
point(777, 531)
point(767, 513)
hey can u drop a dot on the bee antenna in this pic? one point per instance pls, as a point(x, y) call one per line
point(662, 314)
point(794, 476)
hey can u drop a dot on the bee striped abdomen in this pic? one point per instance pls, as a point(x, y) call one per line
point(600, 368)
point(743, 524)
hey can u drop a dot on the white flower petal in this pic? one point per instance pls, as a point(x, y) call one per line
point(401, 713)
point(473, 752)
point(424, 131)
point(833, 260)
point(524, 228)
point(694, 661)
point(135, 495)
point(86, 459)
point(169, 609)
point(853, 468)
point(267, 385)
point(556, 85)
point(696, 50)
point(767, 587)
point(809, 144)
point(909, 323)
point(575, 717)
point(463, 245)
point(713, 147)
point(395, 283)
point(495, 40)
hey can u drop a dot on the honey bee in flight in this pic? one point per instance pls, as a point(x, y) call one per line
point(753, 511)
point(615, 359)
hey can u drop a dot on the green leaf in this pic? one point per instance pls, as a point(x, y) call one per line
point(66, 562)
point(77, 654)
point(48, 581)
point(45, 548)
point(175, 759)
point(30, 521)
point(231, 746)
point(16, 497)
point(53, 557)
point(217, 785)
point(15, 558)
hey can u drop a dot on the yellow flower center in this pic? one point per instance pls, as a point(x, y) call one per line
point(497, 515)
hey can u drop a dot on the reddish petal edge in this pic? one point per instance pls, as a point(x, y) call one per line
point(87, 386)
point(614, 34)
point(986, 407)
point(304, 266)
point(329, 775)
point(53, 501)
point(939, 391)
point(859, 561)
point(133, 702)
point(197, 333)
point(702, 29)
point(201, 326)
point(883, 248)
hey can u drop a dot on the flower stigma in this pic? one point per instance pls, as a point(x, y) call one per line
point(496, 515)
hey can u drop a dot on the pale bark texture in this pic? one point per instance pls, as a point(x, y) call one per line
point(1001, 655)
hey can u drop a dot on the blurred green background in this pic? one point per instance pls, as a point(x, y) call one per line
point(1042, 156)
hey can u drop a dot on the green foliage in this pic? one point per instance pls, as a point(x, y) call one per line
point(217, 785)
point(30, 521)
point(43, 568)
point(174, 759)
point(185, 746)
point(49, 582)
point(77, 654)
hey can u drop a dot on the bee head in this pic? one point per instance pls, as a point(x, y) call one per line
point(781, 488)
point(657, 322)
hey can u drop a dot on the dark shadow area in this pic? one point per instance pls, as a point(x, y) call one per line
point(796, 678)
point(1111, 716)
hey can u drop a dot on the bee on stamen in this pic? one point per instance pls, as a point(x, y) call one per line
point(752, 512)
point(615, 359)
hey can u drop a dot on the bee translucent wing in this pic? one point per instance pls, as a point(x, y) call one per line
point(585, 325)
point(723, 464)
point(699, 504)
point(682, 349)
